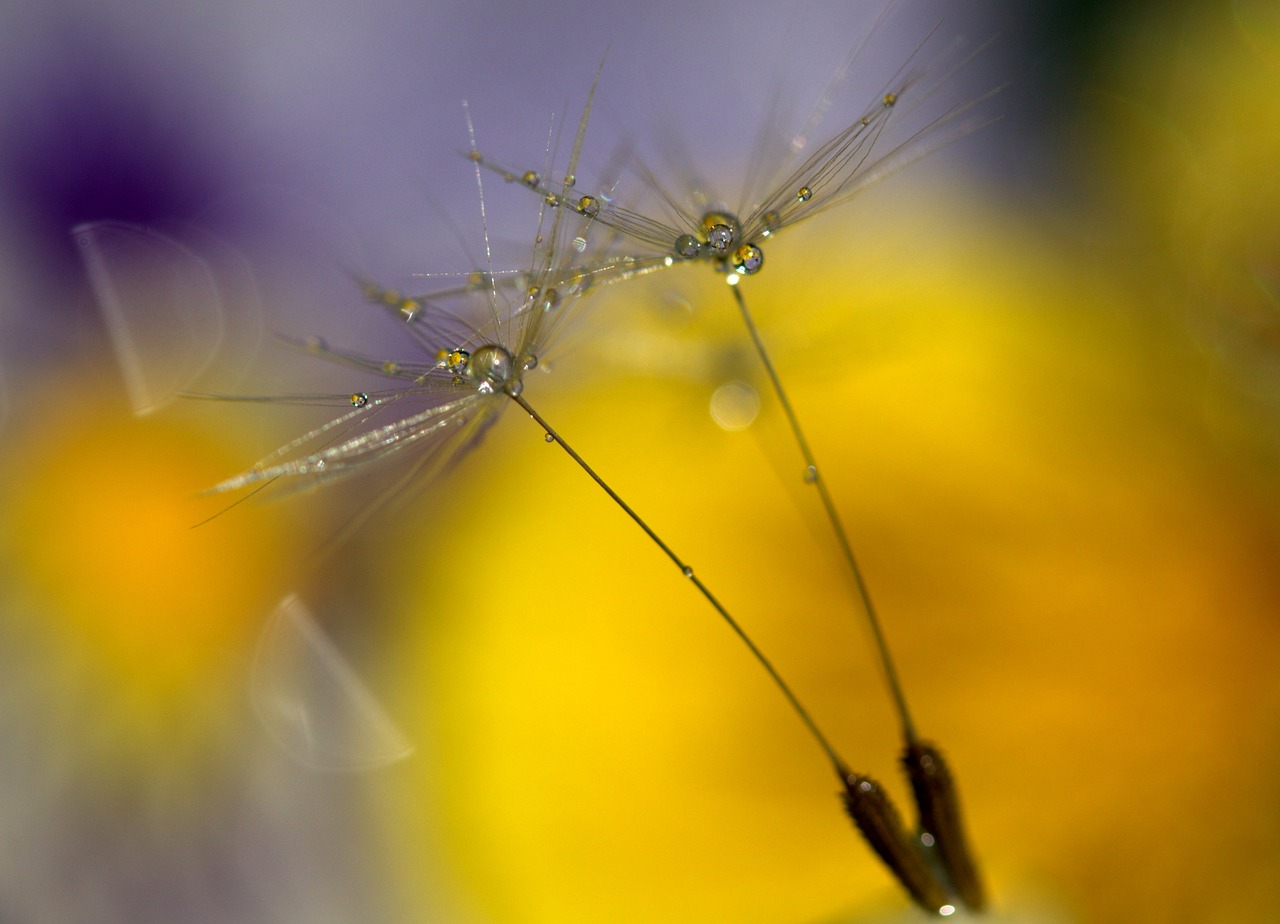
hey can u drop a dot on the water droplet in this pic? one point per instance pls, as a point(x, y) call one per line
point(359, 399)
point(548, 438)
point(770, 222)
point(531, 179)
point(804, 194)
point(687, 571)
point(748, 259)
point(316, 345)
point(391, 367)
point(720, 238)
point(811, 474)
point(455, 361)
point(889, 100)
point(579, 243)
point(687, 246)
point(588, 206)
point(492, 368)
point(570, 179)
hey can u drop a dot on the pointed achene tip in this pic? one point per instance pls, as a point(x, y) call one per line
point(938, 802)
point(881, 827)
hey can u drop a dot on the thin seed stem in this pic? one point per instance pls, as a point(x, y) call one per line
point(815, 475)
point(841, 768)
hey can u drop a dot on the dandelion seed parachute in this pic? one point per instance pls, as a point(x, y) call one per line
point(465, 386)
point(830, 175)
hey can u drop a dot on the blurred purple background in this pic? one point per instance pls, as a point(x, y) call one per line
point(286, 144)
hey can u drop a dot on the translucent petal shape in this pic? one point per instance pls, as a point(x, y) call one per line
point(161, 306)
point(311, 701)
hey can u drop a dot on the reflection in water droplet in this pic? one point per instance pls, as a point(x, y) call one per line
point(748, 259)
point(811, 474)
point(720, 238)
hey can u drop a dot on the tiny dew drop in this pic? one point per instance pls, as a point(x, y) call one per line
point(804, 194)
point(548, 438)
point(531, 179)
point(455, 361)
point(588, 206)
point(720, 238)
point(359, 399)
point(811, 474)
point(687, 571)
point(748, 259)
point(687, 246)
point(890, 99)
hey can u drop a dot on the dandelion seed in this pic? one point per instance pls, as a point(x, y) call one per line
point(834, 172)
point(464, 386)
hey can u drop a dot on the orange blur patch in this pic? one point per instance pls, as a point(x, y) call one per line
point(98, 511)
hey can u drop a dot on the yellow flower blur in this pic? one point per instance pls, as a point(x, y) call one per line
point(1073, 578)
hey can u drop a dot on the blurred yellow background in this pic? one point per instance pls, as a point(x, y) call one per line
point(1051, 427)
